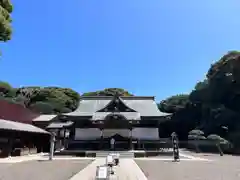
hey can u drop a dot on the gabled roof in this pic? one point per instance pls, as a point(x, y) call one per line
point(17, 126)
point(144, 105)
point(118, 102)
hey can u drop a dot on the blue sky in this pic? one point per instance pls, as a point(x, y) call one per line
point(156, 47)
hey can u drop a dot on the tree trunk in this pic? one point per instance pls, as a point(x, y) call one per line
point(219, 149)
point(196, 147)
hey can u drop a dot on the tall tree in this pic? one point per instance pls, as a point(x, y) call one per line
point(5, 20)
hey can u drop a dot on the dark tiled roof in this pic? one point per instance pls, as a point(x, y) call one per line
point(16, 112)
point(144, 105)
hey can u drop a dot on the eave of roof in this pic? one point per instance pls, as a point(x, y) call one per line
point(145, 105)
point(17, 126)
point(127, 115)
point(57, 125)
point(122, 97)
point(44, 118)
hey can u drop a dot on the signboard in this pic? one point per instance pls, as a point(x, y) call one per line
point(109, 160)
point(102, 172)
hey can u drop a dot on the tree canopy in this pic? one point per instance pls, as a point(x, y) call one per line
point(46, 100)
point(213, 106)
point(5, 20)
point(109, 92)
point(50, 100)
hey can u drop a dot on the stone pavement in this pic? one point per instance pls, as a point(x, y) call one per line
point(19, 159)
point(219, 168)
point(40, 156)
point(42, 170)
point(127, 170)
point(85, 168)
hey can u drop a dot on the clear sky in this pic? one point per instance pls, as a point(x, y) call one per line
point(149, 47)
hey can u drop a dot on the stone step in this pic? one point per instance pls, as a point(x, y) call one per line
point(123, 154)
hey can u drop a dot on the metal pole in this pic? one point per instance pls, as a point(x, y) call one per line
point(52, 140)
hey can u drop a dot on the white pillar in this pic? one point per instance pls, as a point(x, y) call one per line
point(52, 140)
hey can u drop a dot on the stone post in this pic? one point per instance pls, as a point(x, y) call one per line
point(175, 147)
point(52, 142)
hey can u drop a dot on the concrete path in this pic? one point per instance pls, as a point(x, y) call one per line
point(89, 172)
point(40, 156)
point(19, 159)
point(127, 170)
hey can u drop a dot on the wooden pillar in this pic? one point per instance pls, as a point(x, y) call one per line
point(10, 145)
point(131, 144)
point(64, 138)
point(101, 140)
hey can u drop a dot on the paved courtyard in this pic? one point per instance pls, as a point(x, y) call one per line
point(220, 168)
point(191, 167)
point(42, 170)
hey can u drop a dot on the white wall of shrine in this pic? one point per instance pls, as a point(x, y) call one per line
point(95, 133)
point(145, 133)
point(87, 133)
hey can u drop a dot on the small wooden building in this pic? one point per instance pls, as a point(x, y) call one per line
point(20, 138)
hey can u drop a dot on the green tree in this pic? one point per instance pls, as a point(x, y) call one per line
point(5, 20)
point(219, 142)
point(234, 139)
point(60, 99)
point(109, 92)
point(6, 90)
point(5, 87)
point(196, 135)
point(42, 107)
point(174, 103)
point(201, 85)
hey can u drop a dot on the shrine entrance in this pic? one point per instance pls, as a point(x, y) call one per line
point(121, 143)
point(117, 127)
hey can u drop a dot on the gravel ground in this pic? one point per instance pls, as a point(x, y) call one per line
point(42, 170)
point(221, 168)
